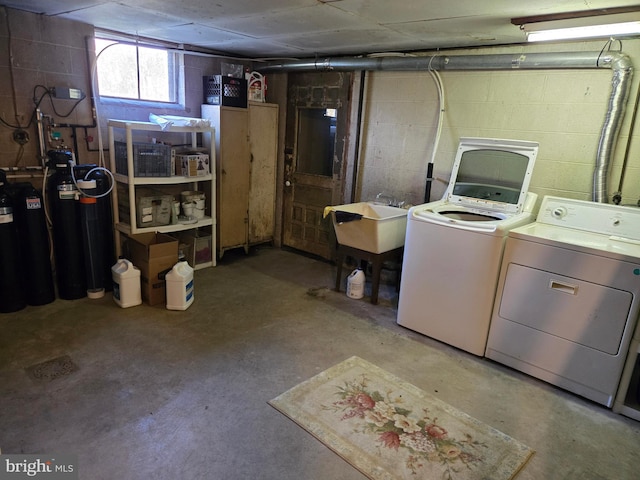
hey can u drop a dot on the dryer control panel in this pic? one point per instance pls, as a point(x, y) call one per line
point(620, 223)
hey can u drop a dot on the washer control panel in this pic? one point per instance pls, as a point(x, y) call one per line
point(622, 223)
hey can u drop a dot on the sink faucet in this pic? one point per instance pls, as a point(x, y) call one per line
point(386, 199)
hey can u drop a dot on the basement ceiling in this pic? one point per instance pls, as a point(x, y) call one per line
point(308, 28)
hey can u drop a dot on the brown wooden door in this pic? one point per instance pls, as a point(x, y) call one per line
point(317, 124)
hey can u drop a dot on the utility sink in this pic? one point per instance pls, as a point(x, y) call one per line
point(369, 226)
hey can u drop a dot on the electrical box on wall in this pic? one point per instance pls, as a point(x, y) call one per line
point(66, 93)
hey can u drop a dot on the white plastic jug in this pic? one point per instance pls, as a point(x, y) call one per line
point(256, 86)
point(126, 284)
point(355, 284)
point(179, 286)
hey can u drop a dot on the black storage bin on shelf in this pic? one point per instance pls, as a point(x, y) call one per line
point(226, 91)
point(149, 159)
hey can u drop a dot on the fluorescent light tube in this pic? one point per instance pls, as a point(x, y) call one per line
point(591, 31)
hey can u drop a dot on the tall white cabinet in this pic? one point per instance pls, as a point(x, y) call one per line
point(126, 198)
point(246, 142)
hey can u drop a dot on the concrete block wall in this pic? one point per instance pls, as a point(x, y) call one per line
point(38, 52)
point(563, 110)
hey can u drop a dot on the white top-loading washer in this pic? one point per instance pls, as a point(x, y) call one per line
point(569, 296)
point(453, 247)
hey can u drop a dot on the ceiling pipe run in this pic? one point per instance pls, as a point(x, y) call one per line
point(618, 62)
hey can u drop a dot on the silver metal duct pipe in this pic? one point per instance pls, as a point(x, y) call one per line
point(618, 62)
point(620, 86)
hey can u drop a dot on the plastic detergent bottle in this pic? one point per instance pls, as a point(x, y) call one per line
point(256, 87)
point(355, 284)
point(126, 284)
point(179, 286)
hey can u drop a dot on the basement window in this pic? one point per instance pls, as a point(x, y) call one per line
point(139, 73)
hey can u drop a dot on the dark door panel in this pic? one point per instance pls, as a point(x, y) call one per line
point(316, 135)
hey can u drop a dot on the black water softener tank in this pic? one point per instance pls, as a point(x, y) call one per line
point(34, 243)
point(92, 172)
point(12, 296)
point(92, 244)
point(63, 197)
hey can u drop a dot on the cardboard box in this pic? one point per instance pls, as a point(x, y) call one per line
point(154, 210)
point(193, 164)
point(153, 207)
point(154, 254)
point(196, 247)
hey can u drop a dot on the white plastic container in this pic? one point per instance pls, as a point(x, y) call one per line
point(355, 284)
point(256, 87)
point(179, 286)
point(198, 210)
point(126, 284)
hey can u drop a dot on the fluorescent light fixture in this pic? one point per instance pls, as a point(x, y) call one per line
point(613, 30)
point(626, 24)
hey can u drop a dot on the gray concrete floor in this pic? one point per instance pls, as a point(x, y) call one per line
point(183, 395)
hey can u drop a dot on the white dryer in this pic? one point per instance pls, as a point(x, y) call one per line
point(453, 247)
point(569, 296)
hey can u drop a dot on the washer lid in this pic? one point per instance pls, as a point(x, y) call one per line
point(492, 174)
point(470, 219)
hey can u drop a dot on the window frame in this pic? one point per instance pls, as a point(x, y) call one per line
point(177, 70)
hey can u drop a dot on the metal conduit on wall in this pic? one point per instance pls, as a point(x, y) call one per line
point(619, 63)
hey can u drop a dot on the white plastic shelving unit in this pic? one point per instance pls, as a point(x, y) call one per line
point(131, 181)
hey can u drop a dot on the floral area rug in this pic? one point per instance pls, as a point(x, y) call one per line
point(390, 429)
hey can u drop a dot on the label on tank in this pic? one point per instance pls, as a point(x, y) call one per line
point(72, 195)
point(33, 203)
